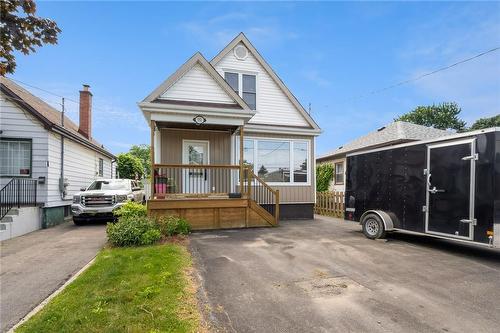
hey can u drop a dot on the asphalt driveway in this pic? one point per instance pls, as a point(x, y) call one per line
point(325, 276)
point(35, 265)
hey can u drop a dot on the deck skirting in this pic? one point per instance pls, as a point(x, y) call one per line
point(210, 213)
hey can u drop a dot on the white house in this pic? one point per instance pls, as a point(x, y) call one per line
point(39, 149)
point(203, 113)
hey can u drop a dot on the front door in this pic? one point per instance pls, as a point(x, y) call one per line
point(450, 189)
point(195, 153)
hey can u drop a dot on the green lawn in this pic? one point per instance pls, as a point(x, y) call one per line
point(143, 289)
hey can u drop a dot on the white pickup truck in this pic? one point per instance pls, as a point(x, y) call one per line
point(102, 197)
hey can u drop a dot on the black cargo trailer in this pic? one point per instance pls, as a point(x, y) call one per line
point(447, 187)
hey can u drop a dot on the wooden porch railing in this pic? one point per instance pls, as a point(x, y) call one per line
point(193, 180)
point(261, 193)
point(330, 204)
point(185, 180)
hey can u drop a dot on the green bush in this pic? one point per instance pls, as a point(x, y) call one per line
point(173, 225)
point(133, 231)
point(131, 209)
point(324, 176)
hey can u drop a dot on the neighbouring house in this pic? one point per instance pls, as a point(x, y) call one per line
point(394, 133)
point(202, 114)
point(44, 159)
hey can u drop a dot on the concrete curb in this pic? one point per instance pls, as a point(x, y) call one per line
point(51, 296)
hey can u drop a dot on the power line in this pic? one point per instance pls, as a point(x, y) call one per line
point(373, 92)
point(44, 90)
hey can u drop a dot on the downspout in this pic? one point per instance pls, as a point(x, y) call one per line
point(62, 188)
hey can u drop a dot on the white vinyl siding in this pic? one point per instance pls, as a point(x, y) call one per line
point(17, 123)
point(273, 106)
point(197, 86)
point(81, 167)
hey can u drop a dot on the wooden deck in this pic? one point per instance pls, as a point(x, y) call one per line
point(213, 212)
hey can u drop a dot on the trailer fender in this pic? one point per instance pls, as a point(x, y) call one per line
point(386, 218)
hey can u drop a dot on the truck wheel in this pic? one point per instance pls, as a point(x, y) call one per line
point(373, 227)
point(77, 221)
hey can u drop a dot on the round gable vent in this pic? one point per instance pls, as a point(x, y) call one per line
point(240, 52)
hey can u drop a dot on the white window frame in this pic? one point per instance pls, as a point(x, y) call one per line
point(335, 173)
point(240, 82)
point(100, 167)
point(291, 141)
point(24, 140)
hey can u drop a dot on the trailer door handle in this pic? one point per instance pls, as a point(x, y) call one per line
point(473, 221)
point(434, 190)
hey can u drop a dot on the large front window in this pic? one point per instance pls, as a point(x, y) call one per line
point(15, 157)
point(272, 160)
point(244, 85)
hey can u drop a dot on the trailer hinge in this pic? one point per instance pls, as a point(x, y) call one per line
point(474, 157)
point(473, 221)
point(424, 209)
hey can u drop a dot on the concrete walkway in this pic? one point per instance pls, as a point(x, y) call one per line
point(323, 275)
point(35, 265)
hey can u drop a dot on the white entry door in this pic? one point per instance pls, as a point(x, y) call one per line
point(195, 153)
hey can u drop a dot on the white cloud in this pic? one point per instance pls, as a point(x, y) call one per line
point(218, 31)
point(314, 76)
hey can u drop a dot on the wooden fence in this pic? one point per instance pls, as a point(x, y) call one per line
point(330, 204)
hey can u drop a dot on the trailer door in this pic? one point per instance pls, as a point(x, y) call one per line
point(450, 189)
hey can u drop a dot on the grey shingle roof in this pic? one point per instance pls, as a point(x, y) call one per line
point(393, 133)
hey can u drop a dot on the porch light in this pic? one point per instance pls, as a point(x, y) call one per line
point(199, 120)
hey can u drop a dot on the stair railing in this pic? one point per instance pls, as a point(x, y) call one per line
point(263, 194)
point(16, 193)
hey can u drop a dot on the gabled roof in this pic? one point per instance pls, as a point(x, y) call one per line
point(47, 115)
point(241, 38)
point(391, 134)
point(197, 58)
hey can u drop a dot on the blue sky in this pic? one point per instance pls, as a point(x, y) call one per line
point(329, 54)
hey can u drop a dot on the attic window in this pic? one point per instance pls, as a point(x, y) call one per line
point(381, 129)
point(244, 85)
point(240, 52)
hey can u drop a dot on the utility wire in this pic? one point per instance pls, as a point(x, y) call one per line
point(44, 90)
point(373, 92)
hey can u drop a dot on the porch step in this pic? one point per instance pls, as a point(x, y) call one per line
point(13, 211)
point(7, 219)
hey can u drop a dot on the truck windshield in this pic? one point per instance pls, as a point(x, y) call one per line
point(109, 185)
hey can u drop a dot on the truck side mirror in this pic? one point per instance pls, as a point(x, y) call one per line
point(83, 189)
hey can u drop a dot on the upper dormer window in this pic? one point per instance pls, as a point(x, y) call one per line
point(244, 85)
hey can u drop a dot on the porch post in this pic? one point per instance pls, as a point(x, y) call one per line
point(153, 124)
point(241, 159)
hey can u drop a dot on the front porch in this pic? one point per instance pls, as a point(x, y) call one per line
point(195, 177)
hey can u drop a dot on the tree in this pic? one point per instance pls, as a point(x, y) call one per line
point(442, 116)
point(143, 152)
point(129, 166)
point(486, 123)
point(21, 30)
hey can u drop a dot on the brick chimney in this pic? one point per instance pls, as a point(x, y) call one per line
point(85, 112)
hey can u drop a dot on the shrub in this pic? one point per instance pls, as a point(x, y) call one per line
point(131, 209)
point(173, 225)
point(324, 176)
point(133, 231)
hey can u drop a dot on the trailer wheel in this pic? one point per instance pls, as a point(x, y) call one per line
point(373, 227)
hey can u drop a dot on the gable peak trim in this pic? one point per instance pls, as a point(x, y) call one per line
point(242, 38)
